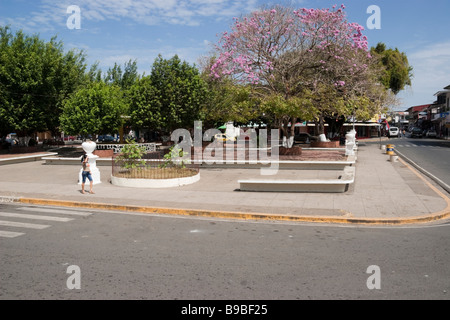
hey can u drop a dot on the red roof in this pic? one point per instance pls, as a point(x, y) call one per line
point(419, 108)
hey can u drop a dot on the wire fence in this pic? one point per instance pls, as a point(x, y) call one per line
point(153, 165)
point(149, 147)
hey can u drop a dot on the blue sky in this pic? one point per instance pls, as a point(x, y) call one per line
point(119, 30)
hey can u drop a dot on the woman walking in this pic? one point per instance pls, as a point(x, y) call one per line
point(86, 174)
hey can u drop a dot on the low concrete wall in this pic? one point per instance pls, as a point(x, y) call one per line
point(282, 165)
point(74, 161)
point(22, 158)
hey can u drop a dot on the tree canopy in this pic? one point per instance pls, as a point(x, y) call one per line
point(96, 108)
point(145, 106)
point(35, 77)
point(123, 78)
point(277, 65)
point(171, 97)
point(397, 73)
point(306, 63)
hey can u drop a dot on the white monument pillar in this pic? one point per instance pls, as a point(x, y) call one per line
point(350, 143)
point(89, 147)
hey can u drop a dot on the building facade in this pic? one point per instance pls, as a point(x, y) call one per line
point(440, 113)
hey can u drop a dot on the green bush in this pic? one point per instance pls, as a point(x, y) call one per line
point(131, 156)
point(176, 157)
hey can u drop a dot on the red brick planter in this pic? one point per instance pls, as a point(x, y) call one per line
point(25, 149)
point(294, 151)
point(328, 144)
point(104, 153)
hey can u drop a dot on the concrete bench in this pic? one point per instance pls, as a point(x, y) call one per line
point(339, 185)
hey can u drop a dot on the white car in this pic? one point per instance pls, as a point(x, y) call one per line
point(393, 132)
point(431, 133)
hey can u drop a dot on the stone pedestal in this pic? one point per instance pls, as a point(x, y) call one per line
point(89, 148)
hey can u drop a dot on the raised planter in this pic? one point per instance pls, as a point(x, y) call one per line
point(294, 151)
point(325, 144)
point(154, 183)
point(21, 150)
point(104, 153)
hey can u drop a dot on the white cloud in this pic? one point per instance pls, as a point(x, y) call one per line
point(144, 57)
point(431, 69)
point(52, 13)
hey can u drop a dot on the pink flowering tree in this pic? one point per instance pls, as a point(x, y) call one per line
point(302, 63)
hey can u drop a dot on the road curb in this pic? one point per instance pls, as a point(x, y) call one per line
point(441, 183)
point(240, 215)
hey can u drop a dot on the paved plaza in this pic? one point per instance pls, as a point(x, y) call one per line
point(383, 192)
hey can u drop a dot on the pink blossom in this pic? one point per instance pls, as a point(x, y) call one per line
point(329, 40)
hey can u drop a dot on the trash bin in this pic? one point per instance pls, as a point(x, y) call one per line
point(390, 149)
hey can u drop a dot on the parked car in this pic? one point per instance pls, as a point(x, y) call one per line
point(431, 133)
point(106, 138)
point(304, 138)
point(394, 132)
point(11, 139)
point(416, 133)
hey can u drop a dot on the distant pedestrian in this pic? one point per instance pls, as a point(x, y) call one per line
point(86, 174)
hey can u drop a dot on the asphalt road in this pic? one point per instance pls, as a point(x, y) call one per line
point(141, 257)
point(432, 155)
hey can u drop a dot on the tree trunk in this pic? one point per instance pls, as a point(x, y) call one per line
point(321, 125)
point(292, 132)
point(284, 130)
point(288, 133)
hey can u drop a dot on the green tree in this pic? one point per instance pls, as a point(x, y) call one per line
point(181, 92)
point(145, 108)
point(228, 101)
point(123, 78)
point(35, 77)
point(94, 74)
point(397, 73)
point(96, 108)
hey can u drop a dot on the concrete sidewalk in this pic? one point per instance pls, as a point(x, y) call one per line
point(384, 192)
